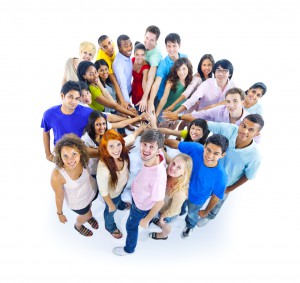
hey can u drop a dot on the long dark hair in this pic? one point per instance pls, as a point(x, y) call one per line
point(204, 57)
point(203, 125)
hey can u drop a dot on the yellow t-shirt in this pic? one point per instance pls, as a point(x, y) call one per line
point(95, 91)
point(109, 60)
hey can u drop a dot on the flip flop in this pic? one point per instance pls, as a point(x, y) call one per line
point(117, 234)
point(154, 236)
point(93, 222)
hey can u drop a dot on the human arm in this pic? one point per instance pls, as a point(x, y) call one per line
point(126, 122)
point(172, 106)
point(150, 79)
point(153, 93)
point(46, 141)
point(164, 98)
point(211, 204)
point(117, 89)
point(172, 143)
point(214, 105)
point(57, 182)
point(119, 72)
point(109, 202)
point(175, 116)
point(242, 180)
point(175, 207)
point(167, 131)
point(93, 152)
point(153, 211)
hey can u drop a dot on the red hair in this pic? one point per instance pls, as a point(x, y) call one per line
point(107, 159)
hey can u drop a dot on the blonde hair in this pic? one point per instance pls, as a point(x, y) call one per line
point(182, 182)
point(87, 46)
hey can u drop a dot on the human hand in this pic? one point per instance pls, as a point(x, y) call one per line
point(50, 157)
point(168, 109)
point(150, 107)
point(112, 208)
point(170, 116)
point(144, 223)
point(142, 105)
point(202, 213)
point(62, 218)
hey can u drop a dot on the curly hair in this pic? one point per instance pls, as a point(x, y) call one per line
point(75, 142)
point(109, 160)
point(173, 77)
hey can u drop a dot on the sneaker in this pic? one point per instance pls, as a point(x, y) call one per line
point(202, 222)
point(119, 251)
point(186, 232)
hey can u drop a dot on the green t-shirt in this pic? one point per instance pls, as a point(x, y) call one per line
point(174, 95)
point(154, 56)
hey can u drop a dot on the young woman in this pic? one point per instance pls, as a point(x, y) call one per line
point(87, 51)
point(178, 177)
point(179, 78)
point(113, 174)
point(101, 98)
point(204, 72)
point(71, 181)
point(94, 131)
point(140, 71)
point(102, 68)
point(253, 95)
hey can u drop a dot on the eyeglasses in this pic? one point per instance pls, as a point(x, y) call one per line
point(223, 71)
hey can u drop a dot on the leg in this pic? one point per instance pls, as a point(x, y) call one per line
point(213, 213)
point(192, 216)
point(109, 220)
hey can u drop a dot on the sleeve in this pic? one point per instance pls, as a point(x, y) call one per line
point(252, 167)
point(155, 59)
point(121, 78)
point(208, 114)
point(103, 179)
point(220, 186)
point(184, 133)
point(176, 204)
point(190, 147)
point(198, 94)
point(195, 83)
point(88, 141)
point(161, 70)
point(46, 123)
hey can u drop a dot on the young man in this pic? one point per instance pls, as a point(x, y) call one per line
point(208, 177)
point(172, 42)
point(232, 112)
point(69, 117)
point(122, 66)
point(107, 52)
point(148, 189)
point(242, 159)
point(153, 57)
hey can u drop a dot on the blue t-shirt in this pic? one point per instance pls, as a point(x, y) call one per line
point(237, 161)
point(62, 123)
point(163, 71)
point(204, 181)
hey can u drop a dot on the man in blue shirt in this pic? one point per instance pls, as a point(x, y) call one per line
point(172, 42)
point(69, 117)
point(242, 159)
point(208, 178)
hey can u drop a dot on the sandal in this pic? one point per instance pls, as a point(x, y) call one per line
point(84, 231)
point(93, 222)
point(154, 237)
point(156, 221)
point(117, 234)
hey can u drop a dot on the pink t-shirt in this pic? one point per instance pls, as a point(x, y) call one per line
point(149, 186)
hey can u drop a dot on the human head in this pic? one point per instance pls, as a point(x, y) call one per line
point(87, 72)
point(205, 66)
point(172, 42)
point(254, 93)
point(106, 44)
point(68, 86)
point(72, 141)
point(124, 45)
point(151, 36)
point(182, 68)
point(199, 128)
point(234, 101)
point(97, 124)
point(249, 128)
point(87, 51)
point(153, 135)
point(260, 85)
point(223, 64)
point(139, 52)
point(214, 148)
point(102, 69)
point(85, 95)
point(70, 96)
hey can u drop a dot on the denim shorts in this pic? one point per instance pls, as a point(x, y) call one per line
point(87, 208)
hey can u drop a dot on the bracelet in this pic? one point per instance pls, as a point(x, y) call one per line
point(140, 118)
point(60, 213)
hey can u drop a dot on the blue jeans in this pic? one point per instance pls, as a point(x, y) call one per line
point(192, 216)
point(213, 213)
point(109, 220)
point(132, 227)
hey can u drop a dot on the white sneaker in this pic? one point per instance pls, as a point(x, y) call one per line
point(202, 222)
point(119, 251)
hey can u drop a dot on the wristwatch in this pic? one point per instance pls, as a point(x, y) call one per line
point(179, 116)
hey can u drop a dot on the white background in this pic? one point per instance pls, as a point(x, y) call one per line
point(255, 238)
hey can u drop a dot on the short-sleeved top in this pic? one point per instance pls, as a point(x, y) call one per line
point(137, 83)
point(149, 186)
point(109, 60)
point(70, 70)
point(154, 56)
point(237, 161)
point(62, 123)
point(95, 92)
point(204, 181)
point(209, 92)
point(174, 95)
point(163, 71)
point(218, 114)
point(255, 109)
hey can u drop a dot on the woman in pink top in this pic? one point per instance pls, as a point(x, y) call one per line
point(71, 181)
point(178, 178)
point(139, 72)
